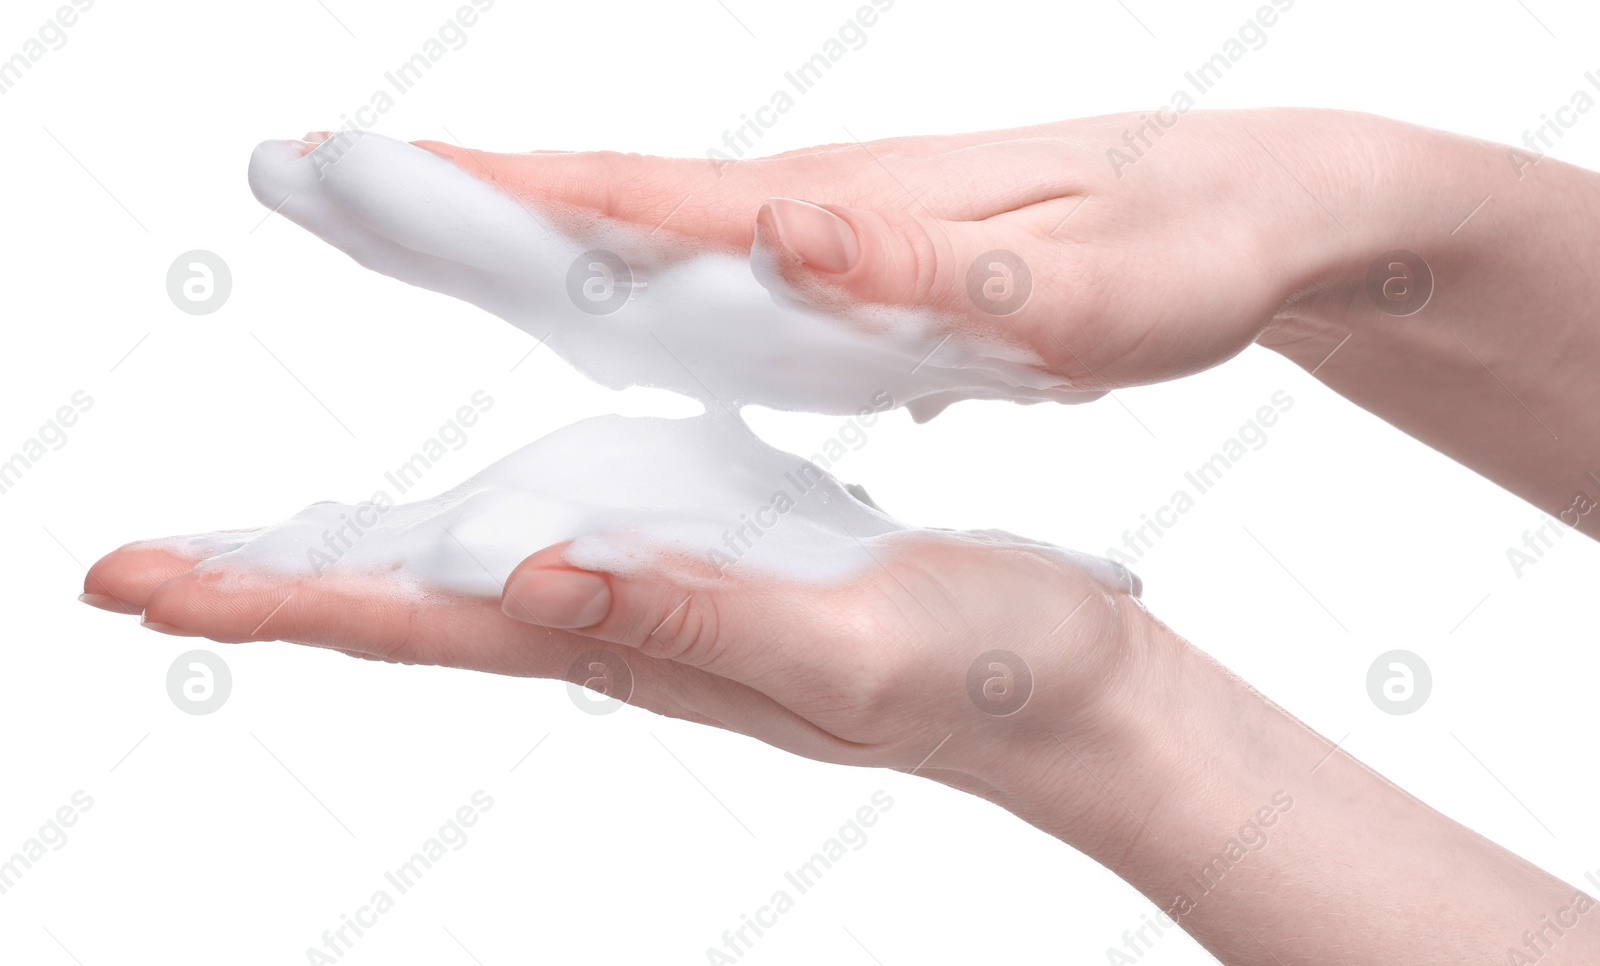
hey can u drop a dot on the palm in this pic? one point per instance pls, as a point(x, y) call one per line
point(871, 671)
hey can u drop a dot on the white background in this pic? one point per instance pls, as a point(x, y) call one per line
point(240, 836)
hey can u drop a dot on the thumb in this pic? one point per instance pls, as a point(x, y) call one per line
point(838, 258)
point(689, 619)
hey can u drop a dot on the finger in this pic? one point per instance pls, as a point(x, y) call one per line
point(999, 279)
point(714, 199)
point(370, 616)
point(383, 203)
point(749, 633)
point(373, 618)
point(123, 580)
point(828, 253)
point(682, 196)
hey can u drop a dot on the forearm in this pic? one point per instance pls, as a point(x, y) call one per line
point(1497, 369)
point(1270, 846)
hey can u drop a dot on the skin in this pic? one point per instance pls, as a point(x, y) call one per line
point(1231, 229)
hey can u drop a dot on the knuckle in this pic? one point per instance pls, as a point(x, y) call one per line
point(403, 647)
point(611, 180)
point(689, 633)
point(920, 256)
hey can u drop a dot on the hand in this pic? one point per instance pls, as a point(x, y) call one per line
point(1141, 271)
point(1132, 746)
point(1150, 257)
point(1026, 264)
point(873, 671)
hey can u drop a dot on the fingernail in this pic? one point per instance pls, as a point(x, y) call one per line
point(821, 239)
point(557, 598)
point(107, 602)
point(171, 629)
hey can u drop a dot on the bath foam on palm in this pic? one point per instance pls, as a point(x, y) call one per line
point(625, 307)
point(631, 493)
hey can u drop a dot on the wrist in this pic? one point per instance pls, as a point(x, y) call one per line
point(1376, 187)
point(1206, 797)
point(1179, 758)
point(1089, 771)
point(1458, 306)
point(1490, 224)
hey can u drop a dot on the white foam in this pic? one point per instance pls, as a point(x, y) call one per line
point(630, 492)
point(697, 323)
